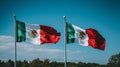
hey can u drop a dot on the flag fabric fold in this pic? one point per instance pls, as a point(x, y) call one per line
point(95, 39)
point(85, 37)
point(48, 34)
point(36, 34)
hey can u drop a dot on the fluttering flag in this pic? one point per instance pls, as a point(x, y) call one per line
point(85, 37)
point(36, 34)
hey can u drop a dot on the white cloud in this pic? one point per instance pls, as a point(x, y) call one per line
point(6, 47)
point(33, 51)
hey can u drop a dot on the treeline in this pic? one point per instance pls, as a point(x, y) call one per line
point(114, 61)
point(46, 63)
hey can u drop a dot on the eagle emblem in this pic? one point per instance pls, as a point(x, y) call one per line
point(82, 35)
point(33, 33)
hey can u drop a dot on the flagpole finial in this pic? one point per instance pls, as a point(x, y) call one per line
point(64, 16)
point(14, 15)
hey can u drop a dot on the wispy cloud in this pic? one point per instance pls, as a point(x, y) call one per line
point(6, 47)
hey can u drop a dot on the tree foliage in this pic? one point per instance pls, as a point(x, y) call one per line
point(114, 61)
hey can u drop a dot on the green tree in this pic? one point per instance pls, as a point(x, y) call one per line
point(36, 63)
point(19, 63)
point(93, 65)
point(46, 63)
point(114, 60)
point(25, 64)
point(81, 64)
point(71, 64)
point(10, 63)
point(2, 63)
point(53, 64)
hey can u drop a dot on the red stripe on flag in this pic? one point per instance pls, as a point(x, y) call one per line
point(48, 35)
point(95, 39)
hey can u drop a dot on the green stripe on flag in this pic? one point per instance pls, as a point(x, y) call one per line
point(21, 31)
point(70, 33)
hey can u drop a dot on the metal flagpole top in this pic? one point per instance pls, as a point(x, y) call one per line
point(64, 19)
point(14, 15)
point(64, 16)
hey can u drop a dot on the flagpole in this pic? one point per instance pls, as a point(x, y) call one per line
point(65, 39)
point(15, 32)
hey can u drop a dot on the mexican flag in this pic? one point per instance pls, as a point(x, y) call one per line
point(85, 37)
point(36, 34)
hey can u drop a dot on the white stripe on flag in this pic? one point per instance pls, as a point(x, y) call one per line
point(83, 42)
point(30, 27)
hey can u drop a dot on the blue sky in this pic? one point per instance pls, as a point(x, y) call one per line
point(102, 15)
